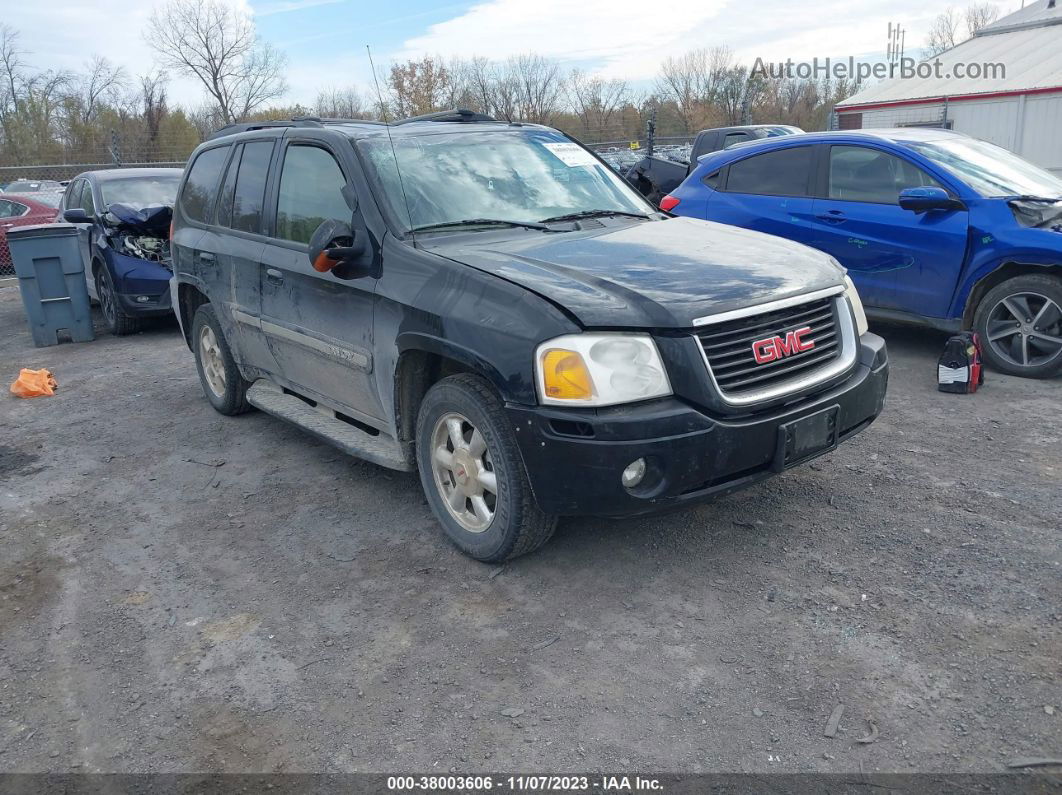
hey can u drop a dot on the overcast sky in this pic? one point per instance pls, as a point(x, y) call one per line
point(325, 39)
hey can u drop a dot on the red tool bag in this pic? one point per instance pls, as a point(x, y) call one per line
point(959, 369)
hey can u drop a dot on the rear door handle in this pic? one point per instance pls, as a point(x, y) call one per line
point(832, 217)
point(274, 275)
point(207, 258)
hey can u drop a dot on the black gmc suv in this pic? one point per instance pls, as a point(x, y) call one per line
point(489, 303)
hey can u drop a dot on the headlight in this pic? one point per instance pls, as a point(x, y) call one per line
point(852, 295)
point(599, 370)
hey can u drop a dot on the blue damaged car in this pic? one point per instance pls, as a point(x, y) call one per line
point(934, 227)
point(124, 216)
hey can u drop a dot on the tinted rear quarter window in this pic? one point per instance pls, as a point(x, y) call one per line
point(783, 172)
point(197, 198)
point(250, 186)
point(311, 192)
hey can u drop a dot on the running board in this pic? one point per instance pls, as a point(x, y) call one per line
point(322, 423)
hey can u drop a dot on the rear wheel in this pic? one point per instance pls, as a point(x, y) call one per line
point(118, 322)
point(473, 474)
point(222, 383)
point(1020, 323)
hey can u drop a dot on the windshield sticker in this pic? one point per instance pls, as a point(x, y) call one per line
point(571, 154)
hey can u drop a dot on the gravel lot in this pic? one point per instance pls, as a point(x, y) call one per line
point(182, 591)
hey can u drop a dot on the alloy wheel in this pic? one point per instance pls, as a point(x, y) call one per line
point(106, 298)
point(212, 361)
point(1025, 329)
point(464, 472)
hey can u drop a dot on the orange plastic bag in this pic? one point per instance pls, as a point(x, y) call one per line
point(34, 383)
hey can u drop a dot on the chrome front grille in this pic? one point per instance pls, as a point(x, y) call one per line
point(728, 347)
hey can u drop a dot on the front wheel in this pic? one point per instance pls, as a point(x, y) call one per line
point(118, 321)
point(473, 474)
point(1020, 323)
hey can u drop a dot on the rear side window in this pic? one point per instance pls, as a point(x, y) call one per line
point(249, 195)
point(784, 172)
point(860, 174)
point(228, 188)
point(733, 138)
point(311, 192)
point(197, 198)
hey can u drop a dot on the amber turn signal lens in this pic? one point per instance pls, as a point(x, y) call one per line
point(565, 377)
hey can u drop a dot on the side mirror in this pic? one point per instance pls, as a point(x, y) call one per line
point(334, 247)
point(75, 215)
point(926, 198)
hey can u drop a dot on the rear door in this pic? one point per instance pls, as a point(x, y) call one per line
point(319, 327)
point(769, 192)
point(241, 211)
point(898, 259)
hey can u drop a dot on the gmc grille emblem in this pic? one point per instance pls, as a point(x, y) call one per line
point(772, 348)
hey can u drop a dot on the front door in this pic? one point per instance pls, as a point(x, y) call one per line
point(319, 327)
point(898, 259)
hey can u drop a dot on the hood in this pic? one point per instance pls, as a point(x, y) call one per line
point(653, 274)
point(153, 221)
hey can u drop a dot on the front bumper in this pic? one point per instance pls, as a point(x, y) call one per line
point(156, 303)
point(574, 458)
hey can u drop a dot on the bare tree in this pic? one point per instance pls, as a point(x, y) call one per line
point(539, 85)
point(218, 45)
point(340, 103)
point(595, 101)
point(980, 15)
point(943, 33)
point(692, 81)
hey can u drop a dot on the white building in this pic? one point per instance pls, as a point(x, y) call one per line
point(1019, 108)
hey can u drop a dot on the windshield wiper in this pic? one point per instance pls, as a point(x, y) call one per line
point(1043, 199)
point(481, 222)
point(593, 214)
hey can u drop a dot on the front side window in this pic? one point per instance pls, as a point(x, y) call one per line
point(86, 203)
point(197, 197)
point(506, 175)
point(733, 138)
point(311, 192)
point(783, 172)
point(860, 174)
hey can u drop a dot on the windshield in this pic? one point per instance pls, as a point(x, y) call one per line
point(989, 169)
point(507, 175)
point(140, 192)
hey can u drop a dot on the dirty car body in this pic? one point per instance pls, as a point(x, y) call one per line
point(483, 267)
point(124, 217)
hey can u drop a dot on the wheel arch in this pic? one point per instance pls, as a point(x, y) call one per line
point(424, 361)
point(1008, 270)
point(189, 298)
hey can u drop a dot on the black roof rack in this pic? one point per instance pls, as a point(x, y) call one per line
point(298, 121)
point(456, 115)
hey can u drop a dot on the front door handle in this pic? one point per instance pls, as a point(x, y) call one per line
point(832, 217)
point(207, 258)
point(274, 275)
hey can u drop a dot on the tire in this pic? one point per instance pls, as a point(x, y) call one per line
point(118, 322)
point(515, 526)
point(1029, 346)
point(222, 383)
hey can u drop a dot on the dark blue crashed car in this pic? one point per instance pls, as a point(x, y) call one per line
point(124, 216)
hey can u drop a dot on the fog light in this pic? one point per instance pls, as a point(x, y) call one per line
point(633, 474)
point(143, 299)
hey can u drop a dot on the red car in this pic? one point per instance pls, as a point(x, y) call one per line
point(23, 210)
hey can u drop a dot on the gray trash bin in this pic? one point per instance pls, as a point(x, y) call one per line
point(51, 278)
